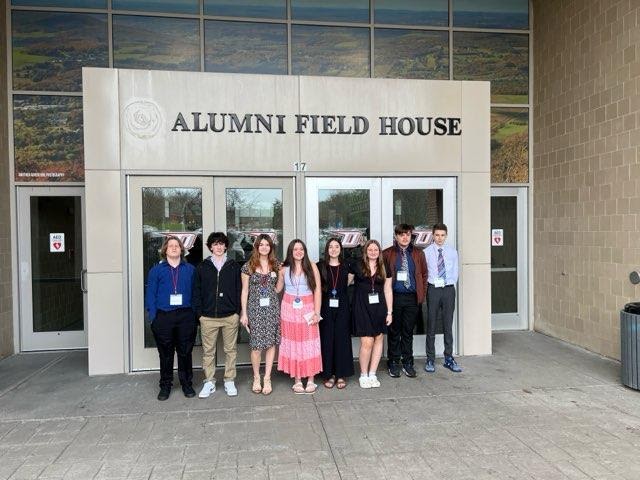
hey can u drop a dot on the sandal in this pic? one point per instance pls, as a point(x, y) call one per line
point(298, 389)
point(256, 388)
point(310, 388)
point(266, 390)
point(341, 383)
point(329, 383)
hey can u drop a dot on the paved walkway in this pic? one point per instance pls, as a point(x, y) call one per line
point(536, 409)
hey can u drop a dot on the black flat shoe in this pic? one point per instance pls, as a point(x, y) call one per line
point(164, 394)
point(188, 391)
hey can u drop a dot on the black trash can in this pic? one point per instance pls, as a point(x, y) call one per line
point(630, 345)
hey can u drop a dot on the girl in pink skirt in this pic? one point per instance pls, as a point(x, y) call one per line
point(299, 353)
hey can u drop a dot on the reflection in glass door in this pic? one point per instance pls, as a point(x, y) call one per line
point(158, 207)
point(357, 209)
point(508, 259)
point(420, 202)
point(52, 275)
point(245, 208)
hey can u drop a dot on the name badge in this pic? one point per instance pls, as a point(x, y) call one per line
point(221, 294)
point(334, 303)
point(373, 298)
point(175, 299)
point(265, 301)
point(402, 276)
point(439, 283)
point(297, 304)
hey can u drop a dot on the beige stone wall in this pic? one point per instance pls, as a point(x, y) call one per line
point(6, 315)
point(586, 168)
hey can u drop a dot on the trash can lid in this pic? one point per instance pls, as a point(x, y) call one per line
point(633, 307)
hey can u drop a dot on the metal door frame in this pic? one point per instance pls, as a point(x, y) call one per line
point(59, 340)
point(517, 320)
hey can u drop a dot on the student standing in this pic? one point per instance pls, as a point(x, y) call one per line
point(372, 310)
point(168, 304)
point(442, 265)
point(261, 309)
point(409, 272)
point(216, 301)
point(335, 328)
point(299, 353)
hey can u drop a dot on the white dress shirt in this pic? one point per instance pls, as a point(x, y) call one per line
point(450, 256)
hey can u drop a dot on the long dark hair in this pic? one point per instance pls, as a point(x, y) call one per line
point(254, 260)
point(380, 270)
point(324, 267)
point(307, 269)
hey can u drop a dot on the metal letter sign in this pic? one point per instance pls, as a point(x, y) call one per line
point(56, 242)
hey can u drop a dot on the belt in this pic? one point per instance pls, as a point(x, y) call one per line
point(448, 285)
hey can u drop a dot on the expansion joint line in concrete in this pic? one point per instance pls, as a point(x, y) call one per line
point(326, 437)
point(44, 368)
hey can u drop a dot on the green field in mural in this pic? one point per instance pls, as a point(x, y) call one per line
point(48, 138)
point(411, 54)
point(509, 145)
point(49, 49)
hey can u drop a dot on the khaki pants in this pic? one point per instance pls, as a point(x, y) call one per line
point(209, 328)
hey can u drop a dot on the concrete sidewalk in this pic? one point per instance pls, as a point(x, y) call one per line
point(536, 409)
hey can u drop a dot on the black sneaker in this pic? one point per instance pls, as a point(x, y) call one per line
point(394, 370)
point(409, 371)
point(188, 391)
point(164, 394)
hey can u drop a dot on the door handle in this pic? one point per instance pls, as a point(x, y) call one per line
point(83, 281)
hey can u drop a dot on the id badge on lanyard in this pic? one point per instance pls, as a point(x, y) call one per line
point(334, 303)
point(402, 276)
point(297, 304)
point(265, 301)
point(438, 283)
point(374, 298)
point(175, 299)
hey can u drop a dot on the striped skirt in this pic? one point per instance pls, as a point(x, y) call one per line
point(299, 353)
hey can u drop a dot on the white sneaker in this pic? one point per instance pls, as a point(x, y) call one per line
point(373, 381)
point(207, 389)
point(230, 388)
point(364, 382)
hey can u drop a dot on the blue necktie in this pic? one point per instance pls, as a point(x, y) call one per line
point(441, 271)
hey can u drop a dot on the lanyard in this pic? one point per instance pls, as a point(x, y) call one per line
point(334, 280)
point(175, 274)
point(264, 281)
point(373, 277)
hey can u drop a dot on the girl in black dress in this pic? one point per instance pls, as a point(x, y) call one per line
point(335, 328)
point(372, 310)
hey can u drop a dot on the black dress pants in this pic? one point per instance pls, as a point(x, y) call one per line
point(175, 331)
point(400, 332)
point(444, 297)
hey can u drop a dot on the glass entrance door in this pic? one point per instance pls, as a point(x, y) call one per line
point(161, 206)
point(245, 207)
point(51, 268)
point(357, 209)
point(509, 292)
point(420, 202)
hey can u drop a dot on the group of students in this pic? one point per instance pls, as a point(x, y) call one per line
point(301, 309)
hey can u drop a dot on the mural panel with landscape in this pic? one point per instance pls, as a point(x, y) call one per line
point(412, 12)
point(246, 8)
point(245, 47)
point(156, 43)
point(62, 3)
point(509, 145)
point(330, 10)
point(49, 49)
point(164, 6)
point(48, 138)
point(411, 54)
point(334, 51)
point(508, 14)
point(502, 58)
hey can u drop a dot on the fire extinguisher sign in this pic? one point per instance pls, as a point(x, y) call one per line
point(56, 242)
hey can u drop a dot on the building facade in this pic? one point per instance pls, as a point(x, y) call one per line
point(44, 149)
